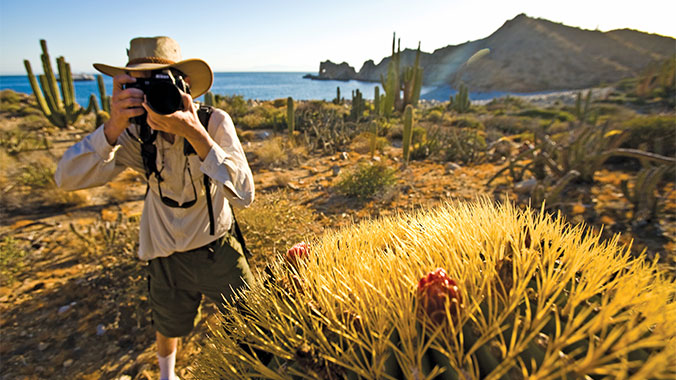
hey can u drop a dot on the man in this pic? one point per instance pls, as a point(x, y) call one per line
point(194, 174)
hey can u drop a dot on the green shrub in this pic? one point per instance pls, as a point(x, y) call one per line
point(468, 122)
point(362, 143)
point(510, 125)
point(16, 104)
point(506, 104)
point(465, 145)
point(435, 116)
point(366, 181)
point(17, 140)
point(234, 105)
point(655, 133)
point(547, 114)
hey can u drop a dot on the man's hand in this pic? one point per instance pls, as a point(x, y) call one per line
point(124, 104)
point(184, 123)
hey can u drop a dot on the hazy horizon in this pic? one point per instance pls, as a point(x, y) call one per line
point(270, 36)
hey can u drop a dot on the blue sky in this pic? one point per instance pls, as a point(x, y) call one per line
point(286, 35)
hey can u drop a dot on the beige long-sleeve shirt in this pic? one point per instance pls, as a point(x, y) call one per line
point(163, 229)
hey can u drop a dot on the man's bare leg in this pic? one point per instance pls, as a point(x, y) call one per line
point(166, 355)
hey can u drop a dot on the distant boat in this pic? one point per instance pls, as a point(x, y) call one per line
point(80, 77)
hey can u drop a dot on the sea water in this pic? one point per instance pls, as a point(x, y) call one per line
point(262, 86)
point(250, 85)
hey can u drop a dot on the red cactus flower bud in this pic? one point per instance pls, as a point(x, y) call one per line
point(437, 292)
point(298, 252)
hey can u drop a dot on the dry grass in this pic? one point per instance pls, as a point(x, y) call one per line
point(32, 178)
point(278, 152)
point(273, 223)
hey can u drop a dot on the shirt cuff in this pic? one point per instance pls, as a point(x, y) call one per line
point(214, 164)
point(101, 145)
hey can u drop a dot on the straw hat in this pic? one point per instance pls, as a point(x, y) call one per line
point(156, 53)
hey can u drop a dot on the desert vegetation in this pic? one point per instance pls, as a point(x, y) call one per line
point(382, 183)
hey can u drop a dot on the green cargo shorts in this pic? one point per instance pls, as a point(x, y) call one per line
point(176, 283)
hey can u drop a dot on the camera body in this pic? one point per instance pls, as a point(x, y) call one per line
point(162, 90)
point(163, 94)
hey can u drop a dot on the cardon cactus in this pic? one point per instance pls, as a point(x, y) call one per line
point(60, 109)
point(522, 295)
point(290, 115)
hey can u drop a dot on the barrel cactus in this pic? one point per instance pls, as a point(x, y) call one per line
point(465, 291)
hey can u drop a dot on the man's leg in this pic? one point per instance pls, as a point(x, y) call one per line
point(166, 355)
point(173, 308)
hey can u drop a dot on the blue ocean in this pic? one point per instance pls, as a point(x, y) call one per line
point(255, 85)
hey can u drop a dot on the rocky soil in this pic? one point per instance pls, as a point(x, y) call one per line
point(77, 308)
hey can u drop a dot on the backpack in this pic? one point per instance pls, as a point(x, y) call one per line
point(147, 137)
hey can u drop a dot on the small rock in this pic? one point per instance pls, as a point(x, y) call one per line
point(344, 156)
point(100, 330)
point(68, 363)
point(451, 167)
point(43, 346)
point(525, 186)
point(64, 309)
point(112, 349)
point(335, 169)
point(376, 158)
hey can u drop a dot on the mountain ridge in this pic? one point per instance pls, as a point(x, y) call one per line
point(527, 55)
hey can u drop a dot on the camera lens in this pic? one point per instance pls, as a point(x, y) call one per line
point(164, 98)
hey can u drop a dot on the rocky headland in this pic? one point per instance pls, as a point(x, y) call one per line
point(527, 55)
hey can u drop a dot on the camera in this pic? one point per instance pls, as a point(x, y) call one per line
point(163, 92)
point(163, 95)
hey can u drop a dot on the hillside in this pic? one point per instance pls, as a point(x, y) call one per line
point(529, 55)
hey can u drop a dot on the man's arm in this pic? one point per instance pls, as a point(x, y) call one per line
point(222, 156)
point(99, 157)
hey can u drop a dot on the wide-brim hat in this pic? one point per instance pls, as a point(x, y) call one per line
point(157, 53)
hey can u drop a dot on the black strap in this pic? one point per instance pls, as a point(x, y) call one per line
point(204, 113)
point(210, 207)
point(239, 236)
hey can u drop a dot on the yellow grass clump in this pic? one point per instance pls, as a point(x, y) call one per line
point(538, 298)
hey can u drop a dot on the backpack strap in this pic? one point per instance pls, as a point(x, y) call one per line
point(204, 113)
point(238, 235)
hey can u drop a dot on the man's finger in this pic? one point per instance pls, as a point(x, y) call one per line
point(132, 112)
point(187, 102)
point(129, 101)
point(120, 80)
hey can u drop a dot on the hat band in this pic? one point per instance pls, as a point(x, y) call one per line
point(163, 61)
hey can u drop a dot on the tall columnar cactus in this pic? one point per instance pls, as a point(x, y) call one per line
point(391, 84)
point(105, 99)
point(376, 101)
point(582, 111)
point(460, 103)
point(357, 109)
point(290, 115)
point(209, 99)
point(373, 138)
point(520, 295)
point(412, 83)
point(337, 100)
point(408, 132)
point(60, 109)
